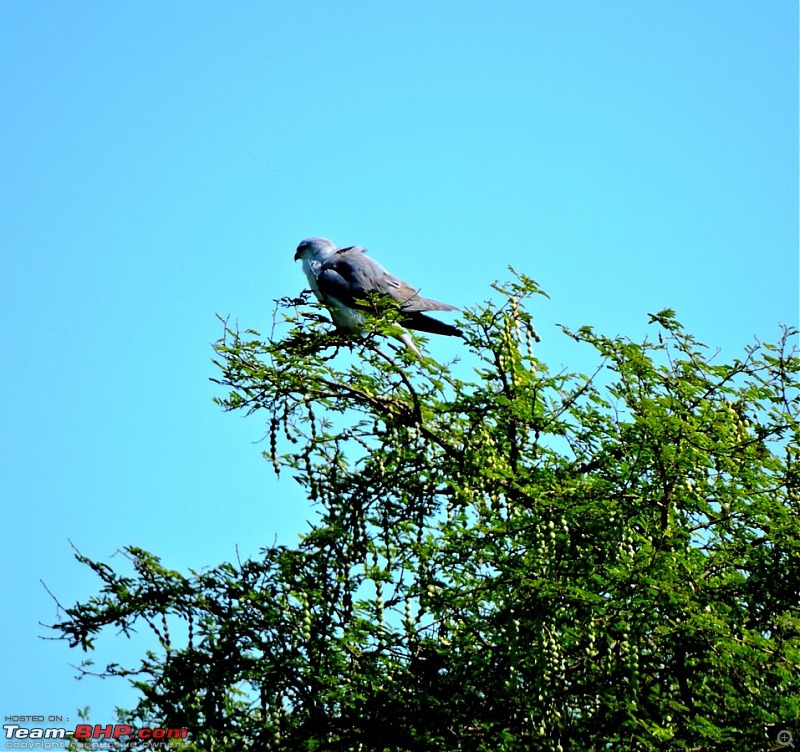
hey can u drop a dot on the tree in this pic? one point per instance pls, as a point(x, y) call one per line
point(525, 560)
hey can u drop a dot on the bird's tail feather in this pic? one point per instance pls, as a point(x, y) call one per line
point(423, 323)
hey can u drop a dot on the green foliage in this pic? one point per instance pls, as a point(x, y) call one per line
point(519, 561)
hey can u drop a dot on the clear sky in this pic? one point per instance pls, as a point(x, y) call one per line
point(159, 163)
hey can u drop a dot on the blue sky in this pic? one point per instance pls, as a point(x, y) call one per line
point(160, 162)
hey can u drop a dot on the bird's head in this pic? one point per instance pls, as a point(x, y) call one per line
point(314, 249)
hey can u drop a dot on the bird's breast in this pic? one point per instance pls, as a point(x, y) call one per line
point(310, 270)
point(346, 318)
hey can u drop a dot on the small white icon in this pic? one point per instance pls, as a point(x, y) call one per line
point(785, 738)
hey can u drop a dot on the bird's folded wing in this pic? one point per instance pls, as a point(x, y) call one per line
point(352, 277)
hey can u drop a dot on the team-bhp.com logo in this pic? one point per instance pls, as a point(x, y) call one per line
point(85, 732)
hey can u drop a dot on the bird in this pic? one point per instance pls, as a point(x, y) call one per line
point(346, 281)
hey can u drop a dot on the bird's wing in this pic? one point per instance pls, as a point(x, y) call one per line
point(350, 276)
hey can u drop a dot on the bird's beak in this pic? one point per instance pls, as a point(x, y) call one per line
point(297, 254)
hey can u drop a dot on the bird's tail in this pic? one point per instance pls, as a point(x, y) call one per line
point(423, 323)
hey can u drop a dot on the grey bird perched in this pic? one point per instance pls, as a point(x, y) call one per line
point(344, 280)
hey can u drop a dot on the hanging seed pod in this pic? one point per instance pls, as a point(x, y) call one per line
point(307, 621)
point(517, 325)
point(313, 491)
point(285, 424)
point(379, 601)
point(273, 444)
point(165, 627)
point(312, 421)
point(408, 621)
point(378, 589)
point(275, 719)
point(633, 667)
